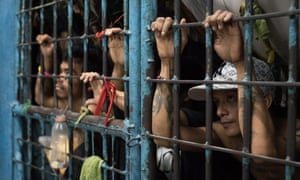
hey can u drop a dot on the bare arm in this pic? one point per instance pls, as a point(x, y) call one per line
point(46, 47)
point(116, 52)
point(228, 45)
point(162, 111)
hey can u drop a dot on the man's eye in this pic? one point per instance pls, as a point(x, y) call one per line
point(231, 98)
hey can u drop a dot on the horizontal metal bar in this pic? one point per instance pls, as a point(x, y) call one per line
point(226, 150)
point(197, 82)
point(39, 7)
point(246, 18)
point(117, 127)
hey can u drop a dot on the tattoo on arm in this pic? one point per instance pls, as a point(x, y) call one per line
point(162, 99)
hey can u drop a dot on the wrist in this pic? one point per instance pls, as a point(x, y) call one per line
point(45, 73)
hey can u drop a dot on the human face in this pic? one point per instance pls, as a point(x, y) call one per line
point(62, 84)
point(227, 111)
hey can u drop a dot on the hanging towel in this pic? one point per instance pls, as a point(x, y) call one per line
point(91, 168)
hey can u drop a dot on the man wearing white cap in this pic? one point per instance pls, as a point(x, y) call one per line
point(268, 134)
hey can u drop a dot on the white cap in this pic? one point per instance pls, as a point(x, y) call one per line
point(227, 72)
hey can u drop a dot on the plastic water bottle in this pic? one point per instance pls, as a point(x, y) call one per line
point(59, 143)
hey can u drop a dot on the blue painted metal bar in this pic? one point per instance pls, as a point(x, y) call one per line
point(70, 54)
point(247, 116)
point(292, 91)
point(176, 90)
point(43, 154)
point(86, 12)
point(104, 60)
point(28, 147)
point(55, 54)
point(126, 74)
point(148, 9)
point(103, 11)
point(134, 86)
point(22, 51)
point(126, 56)
point(208, 102)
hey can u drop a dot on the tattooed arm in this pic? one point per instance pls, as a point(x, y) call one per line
point(162, 110)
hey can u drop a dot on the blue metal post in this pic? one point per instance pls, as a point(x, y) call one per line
point(247, 116)
point(135, 85)
point(208, 110)
point(292, 91)
point(8, 82)
point(148, 13)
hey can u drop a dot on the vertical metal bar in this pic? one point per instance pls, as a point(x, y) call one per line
point(105, 153)
point(112, 148)
point(208, 102)
point(55, 61)
point(134, 85)
point(104, 42)
point(70, 61)
point(25, 90)
point(71, 151)
point(126, 84)
point(292, 91)
point(88, 141)
point(42, 22)
point(176, 89)
point(147, 11)
point(28, 147)
point(29, 64)
point(247, 116)
point(42, 130)
point(85, 45)
point(126, 56)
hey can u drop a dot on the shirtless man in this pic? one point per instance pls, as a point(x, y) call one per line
point(268, 137)
point(62, 88)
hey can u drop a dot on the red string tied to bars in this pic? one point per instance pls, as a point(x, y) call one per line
point(100, 34)
point(107, 92)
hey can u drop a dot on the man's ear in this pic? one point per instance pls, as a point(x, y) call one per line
point(268, 100)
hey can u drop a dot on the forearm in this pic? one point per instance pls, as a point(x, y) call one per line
point(48, 64)
point(162, 113)
point(262, 133)
point(47, 88)
point(166, 68)
point(119, 100)
point(118, 72)
point(46, 93)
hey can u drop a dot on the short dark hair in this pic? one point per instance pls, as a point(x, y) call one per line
point(94, 58)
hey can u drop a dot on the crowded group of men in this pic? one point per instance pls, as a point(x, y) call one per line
point(268, 130)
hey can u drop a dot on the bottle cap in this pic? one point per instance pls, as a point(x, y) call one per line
point(60, 118)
